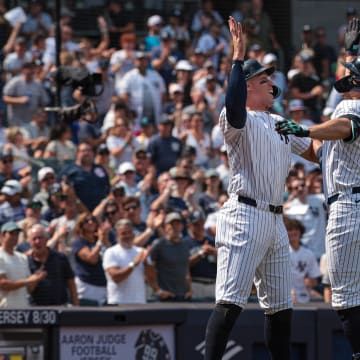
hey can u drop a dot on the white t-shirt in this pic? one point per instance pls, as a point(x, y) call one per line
point(132, 290)
point(14, 267)
point(303, 264)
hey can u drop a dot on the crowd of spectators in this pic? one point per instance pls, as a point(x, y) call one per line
point(119, 204)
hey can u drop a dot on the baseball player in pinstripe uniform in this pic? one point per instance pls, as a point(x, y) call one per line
point(251, 238)
point(341, 168)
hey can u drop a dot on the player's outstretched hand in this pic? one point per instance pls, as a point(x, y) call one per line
point(238, 38)
point(352, 36)
point(288, 127)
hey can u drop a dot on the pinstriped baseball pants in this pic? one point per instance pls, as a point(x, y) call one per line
point(253, 246)
point(343, 251)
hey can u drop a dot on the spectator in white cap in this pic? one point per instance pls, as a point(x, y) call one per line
point(184, 77)
point(13, 209)
point(152, 40)
point(125, 175)
point(279, 79)
point(46, 177)
point(175, 104)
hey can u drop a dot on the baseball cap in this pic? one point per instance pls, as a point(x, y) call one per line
point(102, 149)
point(269, 58)
point(143, 150)
point(20, 40)
point(125, 167)
point(55, 189)
point(208, 64)
point(34, 204)
point(119, 187)
point(164, 119)
point(10, 226)
point(6, 153)
point(44, 171)
point(351, 11)
point(11, 187)
point(141, 55)
point(103, 63)
point(223, 149)
point(296, 105)
point(307, 28)
point(174, 87)
point(145, 122)
point(195, 216)
point(255, 47)
point(176, 13)
point(253, 68)
point(211, 173)
point(173, 216)
point(305, 57)
point(179, 173)
point(154, 20)
point(210, 77)
point(199, 51)
point(165, 35)
point(183, 65)
point(65, 12)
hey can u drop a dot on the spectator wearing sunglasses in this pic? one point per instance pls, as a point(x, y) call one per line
point(111, 215)
point(87, 250)
point(7, 171)
point(132, 211)
point(13, 209)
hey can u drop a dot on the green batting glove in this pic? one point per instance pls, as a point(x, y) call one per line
point(288, 127)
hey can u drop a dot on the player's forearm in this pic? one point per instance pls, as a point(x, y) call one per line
point(236, 93)
point(332, 130)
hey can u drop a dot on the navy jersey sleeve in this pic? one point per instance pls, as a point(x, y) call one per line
point(235, 99)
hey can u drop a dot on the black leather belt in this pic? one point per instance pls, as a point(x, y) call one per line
point(332, 199)
point(272, 208)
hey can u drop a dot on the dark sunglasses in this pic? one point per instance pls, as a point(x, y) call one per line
point(111, 213)
point(47, 178)
point(297, 187)
point(7, 161)
point(132, 207)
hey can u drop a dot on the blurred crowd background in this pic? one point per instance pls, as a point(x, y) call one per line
point(117, 201)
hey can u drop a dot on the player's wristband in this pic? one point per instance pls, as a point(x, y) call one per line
point(131, 265)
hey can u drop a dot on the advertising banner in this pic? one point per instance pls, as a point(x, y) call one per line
point(147, 342)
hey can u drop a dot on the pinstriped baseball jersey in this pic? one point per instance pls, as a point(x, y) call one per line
point(342, 160)
point(259, 158)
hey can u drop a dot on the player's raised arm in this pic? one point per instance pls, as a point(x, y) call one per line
point(235, 100)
